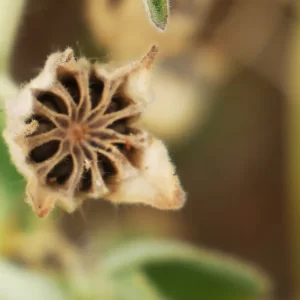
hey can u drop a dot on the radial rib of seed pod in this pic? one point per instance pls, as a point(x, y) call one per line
point(80, 139)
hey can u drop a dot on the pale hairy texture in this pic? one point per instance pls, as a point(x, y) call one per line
point(157, 183)
point(20, 108)
point(73, 133)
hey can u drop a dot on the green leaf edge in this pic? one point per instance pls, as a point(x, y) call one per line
point(134, 254)
point(159, 21)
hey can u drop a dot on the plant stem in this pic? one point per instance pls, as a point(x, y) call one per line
point(294, 154)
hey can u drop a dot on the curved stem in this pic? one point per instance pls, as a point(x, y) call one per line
point(10, 12)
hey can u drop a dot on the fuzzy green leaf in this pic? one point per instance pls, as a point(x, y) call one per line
point(179, 272)
point(11, 181)
point(18, 284)
point(158, 12)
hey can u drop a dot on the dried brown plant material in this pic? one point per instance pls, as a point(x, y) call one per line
point(72, 132)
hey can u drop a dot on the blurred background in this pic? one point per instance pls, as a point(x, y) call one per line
point(222, 87)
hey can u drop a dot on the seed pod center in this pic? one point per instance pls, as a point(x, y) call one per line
point(77, 132)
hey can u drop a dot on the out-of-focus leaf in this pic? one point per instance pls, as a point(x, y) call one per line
point(136, 286)
point(158, 11)
point(182, 272)
point(18, 284)
point(11, 181)
point(11, 188)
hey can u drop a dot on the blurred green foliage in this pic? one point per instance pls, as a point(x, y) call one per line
point(17, 283)
point(178, 271)
point(146, 270)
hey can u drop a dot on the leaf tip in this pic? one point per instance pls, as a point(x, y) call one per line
point(158, 12)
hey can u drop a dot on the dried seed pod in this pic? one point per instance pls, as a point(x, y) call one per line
point(72, 133)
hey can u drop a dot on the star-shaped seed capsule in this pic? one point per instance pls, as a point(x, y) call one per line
point(73, 133)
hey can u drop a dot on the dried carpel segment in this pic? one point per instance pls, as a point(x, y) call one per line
point(86, 181)
point(52, 102)
point(106, 167)
point(80, 139)
point(96, 87)
point(70, 84)
point(44, 151)
point(117, 103)
point(61, 171)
